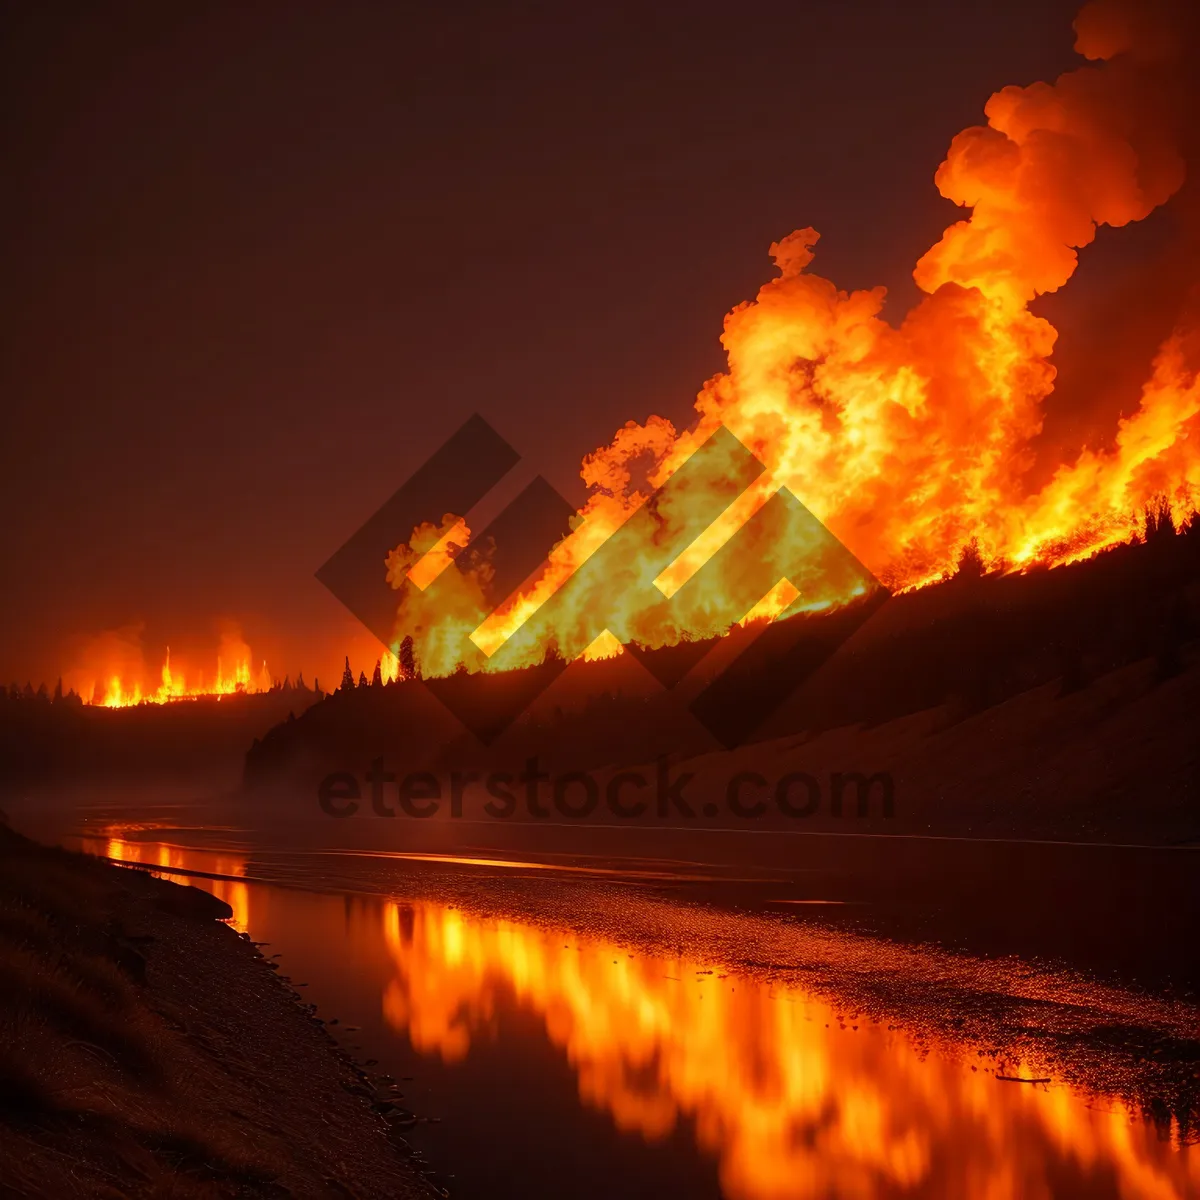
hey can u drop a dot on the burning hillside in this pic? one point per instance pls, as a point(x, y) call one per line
point(908, 442)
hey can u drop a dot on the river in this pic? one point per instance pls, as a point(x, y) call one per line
point(602, 1025)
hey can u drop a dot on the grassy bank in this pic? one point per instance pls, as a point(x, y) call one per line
point(147, 1049)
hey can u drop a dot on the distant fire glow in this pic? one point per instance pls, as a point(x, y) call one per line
point(228, 680)
point(113, 674)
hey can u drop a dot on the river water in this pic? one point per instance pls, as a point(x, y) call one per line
point(593, 1026)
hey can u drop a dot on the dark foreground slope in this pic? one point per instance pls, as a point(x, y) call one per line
point(146, 1049)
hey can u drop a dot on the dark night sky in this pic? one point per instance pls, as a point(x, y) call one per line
point(261, 259)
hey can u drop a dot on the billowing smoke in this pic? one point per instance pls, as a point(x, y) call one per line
point(909, 441)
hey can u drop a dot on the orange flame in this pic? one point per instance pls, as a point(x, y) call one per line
point(119, 681)
point(906, 441)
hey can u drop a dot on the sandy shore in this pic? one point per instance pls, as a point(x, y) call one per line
point(148, 1049)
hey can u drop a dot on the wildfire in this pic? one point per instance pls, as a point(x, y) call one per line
point(174, 686)
point(119, 680)
point(907, 441)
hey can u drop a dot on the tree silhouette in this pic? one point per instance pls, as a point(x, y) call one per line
point(58, 692)
point(408, 660)
point(347, 677)
point(377, 677)
point(1160, 523)
point(970, 563)
point(362, 679)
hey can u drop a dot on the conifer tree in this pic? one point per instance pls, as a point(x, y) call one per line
point(408, 662)
point(971, 566)
point(347, 677)
point(377, 677)
point(362, 679)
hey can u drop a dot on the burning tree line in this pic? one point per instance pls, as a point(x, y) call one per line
point(1136, 600)
point(392, 668)
point(974, 639)
point(14, 693)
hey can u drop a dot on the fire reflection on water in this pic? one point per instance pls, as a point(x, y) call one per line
point(180, 858)
point(793, 1098)
point(790, 1095)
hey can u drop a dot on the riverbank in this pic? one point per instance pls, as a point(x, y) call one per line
point(148, 1049)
